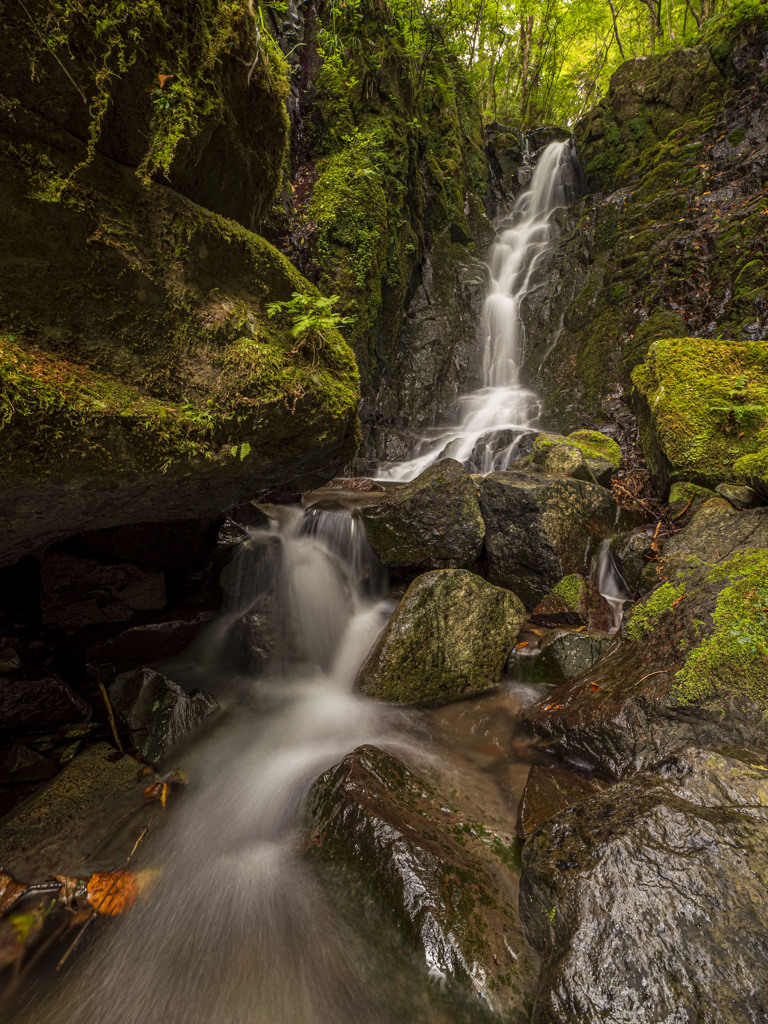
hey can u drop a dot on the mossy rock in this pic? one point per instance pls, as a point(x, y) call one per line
point(143, 378)
point(702, 405)
point(597, 446)
point(574, 601)
point(580, 455)
point(448, 639)
point(692, 661)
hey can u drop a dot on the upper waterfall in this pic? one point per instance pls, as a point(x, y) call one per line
point(490, 421)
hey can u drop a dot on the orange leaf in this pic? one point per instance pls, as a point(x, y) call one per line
point(113, 893)
point(522, 644)
point(595, 687)
point(162, 79)
point(157, 791)
point(10, 892)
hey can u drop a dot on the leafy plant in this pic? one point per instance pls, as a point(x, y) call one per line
point(311, 315)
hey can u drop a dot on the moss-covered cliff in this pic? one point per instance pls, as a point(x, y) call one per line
point(135, 342)
point(670, 240)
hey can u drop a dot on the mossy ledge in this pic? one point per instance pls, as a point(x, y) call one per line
point(137, 351)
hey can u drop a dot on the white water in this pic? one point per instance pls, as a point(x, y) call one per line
point(610, 583)
point(502, 406)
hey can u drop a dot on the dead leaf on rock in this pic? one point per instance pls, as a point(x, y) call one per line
point(157, 791)
point(10, 892)
point(112, 893)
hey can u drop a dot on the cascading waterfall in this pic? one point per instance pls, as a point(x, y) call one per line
point(610, 583)
point(235, 927)
point(491, 421)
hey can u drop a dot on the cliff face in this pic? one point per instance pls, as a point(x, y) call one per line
point(669, 241)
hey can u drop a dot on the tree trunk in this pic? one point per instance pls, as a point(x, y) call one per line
point(616, 31)
point(526, 33)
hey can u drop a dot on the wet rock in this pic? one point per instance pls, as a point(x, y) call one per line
point(59, 825)
point(142, 645)
point(689, 668)
point(448, 639)
point(676, 863)
point(739, 497)
point(697, 402)
point(20, 764)
point(717, 531)
point(539, 530)
point(78, 592)
point(156, 711)
point(449, 882)
point(9, 660)
point(686, 498)
point(549, 791)
point(182, 544)
point(634, 555)
point(566, 654)
point(575, 601)
point(38, 704)
point(434, 522)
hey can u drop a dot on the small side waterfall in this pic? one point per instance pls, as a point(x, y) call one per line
point(610, 583)
point(491, 421)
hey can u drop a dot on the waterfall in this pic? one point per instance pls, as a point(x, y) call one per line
point(610, 584)
point(491, 421)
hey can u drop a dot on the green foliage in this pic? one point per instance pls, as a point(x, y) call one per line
point(311, 317)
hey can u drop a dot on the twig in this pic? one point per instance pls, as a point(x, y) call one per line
point(659, 672)
point(111, 714)
point(679, 514)
point(50, 49)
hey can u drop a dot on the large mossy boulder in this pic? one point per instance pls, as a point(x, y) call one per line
point(702, 407)
point(584, 455)
point(692, 662)
point(143, 379)
point(648, 899)
point(434, 522)
point(449, 882)
point(539, 530)
point(448, 639)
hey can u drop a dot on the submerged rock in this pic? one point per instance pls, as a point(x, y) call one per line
point(156, 711)
point(648, 899)
point(549, 791)
point(434, 522)
point(539, 530)
point(449, 882)
point(448, 639)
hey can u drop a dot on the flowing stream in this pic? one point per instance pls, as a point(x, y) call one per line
point(234, 926)
point(491, 421)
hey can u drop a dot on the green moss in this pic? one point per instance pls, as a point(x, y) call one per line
point(707, 407)
point(571, 591)
point(736, 136)
point(739, 639)
point(646, 614)
point(595, 445)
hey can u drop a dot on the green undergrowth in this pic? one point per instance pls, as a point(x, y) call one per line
point(733, 660)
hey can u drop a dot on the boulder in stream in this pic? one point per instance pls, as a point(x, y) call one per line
point(156, 711)
point(648, 900)
point(434, 522)
point(448, 639)
point(574, 601)
point(584, 455)
point(540, 529)
point(549, 791)
point(450, 883)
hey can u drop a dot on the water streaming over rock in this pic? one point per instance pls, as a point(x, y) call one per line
point(607, 577)
point(235, 927)
point(490, 422)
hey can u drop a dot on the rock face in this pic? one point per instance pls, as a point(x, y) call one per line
point(691, 665)
point(434, 522)
point(449, 882)
point(701, 408)
point(539, 530)
point(156, 711)
point(448, 639)
point(135, 345)
point(39, 704)
point(647, 900)
point(676, 157)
